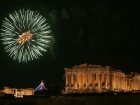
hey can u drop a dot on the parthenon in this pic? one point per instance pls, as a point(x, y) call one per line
point(96, 78)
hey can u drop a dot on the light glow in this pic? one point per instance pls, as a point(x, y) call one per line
point(26, 34)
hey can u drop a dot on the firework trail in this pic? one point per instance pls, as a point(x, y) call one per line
point(25, 34)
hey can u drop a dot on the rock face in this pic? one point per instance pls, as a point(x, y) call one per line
point(130, 99)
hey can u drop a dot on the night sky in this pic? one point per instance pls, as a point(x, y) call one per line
point(104, 33)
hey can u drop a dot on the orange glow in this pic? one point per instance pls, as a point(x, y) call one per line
point(26, 36)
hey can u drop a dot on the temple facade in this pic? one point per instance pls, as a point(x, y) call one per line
point(95, 78)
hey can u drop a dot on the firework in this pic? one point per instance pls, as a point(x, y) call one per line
point(25, 34)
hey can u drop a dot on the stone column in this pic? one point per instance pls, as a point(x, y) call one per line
point(66, 76)
point(118, 78)
point(125, 84)
point(84, 80)
point(72, 83)
point(96, 81)
point(75, 81)
point(116, 81)
point(138, 83)
point(106, 81)
point(120, 81)
point(121, 84)
point(78, 81)
point(103, 80)
point(99, 80)
point(134, 83)
point(88, 80)
point(93, 80)
point(66, 79)
point(69, 80)
point(129, 84)
point(113, 81)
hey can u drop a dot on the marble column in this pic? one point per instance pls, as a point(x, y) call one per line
point(75, 81)
point(103, 80)
point(107, 80)
point(66, 80)
point(87, 80)
point(113, 81)
point(81, 81)
point(78, 81)
point(96, 81)
point(116, 81)
point(125, 84)
point(93, 79)
point(91, 85)
point(72, 81)
point(66, 87)
point(121, 84)
point(118, 78)
point(138, 83)
point(86, 77)
point(69, 80)
point(99, 80)
point(83, 84)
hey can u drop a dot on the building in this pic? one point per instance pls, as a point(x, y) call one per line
point(95, 78)
point(18, 93)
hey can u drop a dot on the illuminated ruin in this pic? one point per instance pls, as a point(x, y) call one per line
point(95, 78)
point(18, 93)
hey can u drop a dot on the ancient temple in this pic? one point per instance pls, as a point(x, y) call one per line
point(95, 78)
